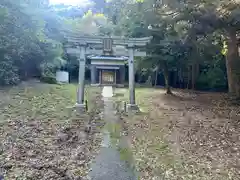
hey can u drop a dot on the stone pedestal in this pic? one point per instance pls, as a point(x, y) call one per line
point(81, 107)
point(132, 108)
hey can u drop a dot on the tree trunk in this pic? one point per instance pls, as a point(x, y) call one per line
point(194, 58)
point(156, 77)
point(166, 77)
point(139, 77)
point(181, 78)
point(189, 77)
point(175, 79)
point(149, 80)
point(193, 75)
point(229, 59)
point(233, 64)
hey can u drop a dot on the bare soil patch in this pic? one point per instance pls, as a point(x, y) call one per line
point(42, 137)
point(191, 135)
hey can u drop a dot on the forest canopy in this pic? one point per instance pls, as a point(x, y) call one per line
point(195, 44)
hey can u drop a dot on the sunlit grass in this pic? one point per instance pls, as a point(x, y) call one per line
point(42, 101)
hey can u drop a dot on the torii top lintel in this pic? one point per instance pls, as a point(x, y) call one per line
point(84, 40)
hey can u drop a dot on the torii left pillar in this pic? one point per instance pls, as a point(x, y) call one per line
point(81, 78)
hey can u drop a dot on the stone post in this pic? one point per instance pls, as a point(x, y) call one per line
point(93, 74)
point(81, 77)
point(132, 105)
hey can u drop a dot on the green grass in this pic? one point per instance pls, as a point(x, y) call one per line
point(118, 141)
point(143, 96)
point(42, 101)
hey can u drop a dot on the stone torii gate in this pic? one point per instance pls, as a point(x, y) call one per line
point(87, 46)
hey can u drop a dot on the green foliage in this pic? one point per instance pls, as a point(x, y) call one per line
point(212, 79)
point(89, 24)
point(8, 73)
point(185, 35)
point(48, 79)
point(224, 50)
point(29, 41)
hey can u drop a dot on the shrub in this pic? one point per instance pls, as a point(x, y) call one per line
point(8, 73)
point(48, 79)
point(213, 79)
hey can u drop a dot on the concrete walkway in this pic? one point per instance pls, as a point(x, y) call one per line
point(108, 165)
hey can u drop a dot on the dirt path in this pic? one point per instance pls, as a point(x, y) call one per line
point(108, 164)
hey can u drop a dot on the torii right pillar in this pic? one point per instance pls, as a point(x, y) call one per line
point(132, 106)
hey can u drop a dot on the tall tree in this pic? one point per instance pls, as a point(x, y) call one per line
point(26, 39)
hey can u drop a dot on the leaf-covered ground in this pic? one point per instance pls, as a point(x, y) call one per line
point(42, 136)
point(188, 136)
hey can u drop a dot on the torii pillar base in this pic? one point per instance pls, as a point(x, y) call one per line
point(132, 108)
point(81, 107)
